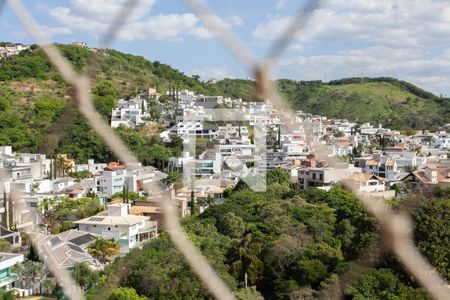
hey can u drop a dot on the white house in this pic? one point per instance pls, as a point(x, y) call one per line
point(328, 176)
point(195, 129)
point(112, 179)
point(235, 149)
point(117, 223)
point(129, 113)
point(366, 183)
point(137, 177)
point(441, 140)
point(7, 277)
point(91, 166)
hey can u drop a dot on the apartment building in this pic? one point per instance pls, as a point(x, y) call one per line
point(112, 179)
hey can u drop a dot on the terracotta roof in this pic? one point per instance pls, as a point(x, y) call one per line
point(390, 162)
point(138, 210)
point(114, 166)
point(372, 162)
point(443, 175)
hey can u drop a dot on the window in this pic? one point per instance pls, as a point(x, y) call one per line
point(321, 177)
point(314, 176)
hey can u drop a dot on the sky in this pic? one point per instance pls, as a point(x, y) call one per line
point(406, 39)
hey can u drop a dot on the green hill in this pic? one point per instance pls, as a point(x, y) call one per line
point(388, 101)
point(37, 112)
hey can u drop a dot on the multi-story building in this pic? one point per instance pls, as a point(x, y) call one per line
point(441, 140)
point(195, 129)
point(129, 230)
point(235, 149)
point(325, 177)
point(137, 177)
point(7, 277)
point(91, 166)
point(129, 113)
point(12, 49)
point(112, 179)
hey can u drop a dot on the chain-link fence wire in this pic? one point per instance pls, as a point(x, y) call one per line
point(395, 229)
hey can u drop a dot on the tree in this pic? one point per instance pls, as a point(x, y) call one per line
point(21, 272)
point(432, 232)
point(102, 249)
point(159, 155)
point(81, 175)
point(277, 176)
point(34, 187)
point(231, 225)
point(7, 295)
point(205, 202)
point(33, 254)
point(246, 263)
point(172, 177)
point(84, 276)
point(382, 284)
point(47, 286)
point(5, 246)
point(310, 271)
point(38, 273)
point(249, 294)
point(124, 293)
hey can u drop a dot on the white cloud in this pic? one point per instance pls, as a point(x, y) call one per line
point(49, 32)
point(400, 38)
point(236, 21)
point(408, 64)
point(95, 17)
point(52, 31)
point(296, 48)
point(280, 4)
point(159, 27)
point(390, 22)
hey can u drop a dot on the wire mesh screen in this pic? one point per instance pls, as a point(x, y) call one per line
point(395, 230)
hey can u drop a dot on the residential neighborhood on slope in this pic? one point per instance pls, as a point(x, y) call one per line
point(72, 205)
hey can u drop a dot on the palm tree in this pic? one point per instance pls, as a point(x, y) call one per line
point(102, 249)
point(38, 273)
point(83, 275)
point(48, 286)
point(21, 272)
point(246, 262)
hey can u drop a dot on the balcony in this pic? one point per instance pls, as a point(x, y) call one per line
point(148, 227)
point(9, 278)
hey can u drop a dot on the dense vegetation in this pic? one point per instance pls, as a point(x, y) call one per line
point(60, 212)
point(287, 242)
point(432, 232)
point(37, 112)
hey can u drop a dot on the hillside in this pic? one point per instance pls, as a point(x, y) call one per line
point(393, 103)
point(37, 113)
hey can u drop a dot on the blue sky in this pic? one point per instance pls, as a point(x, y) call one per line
point(407, 39)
